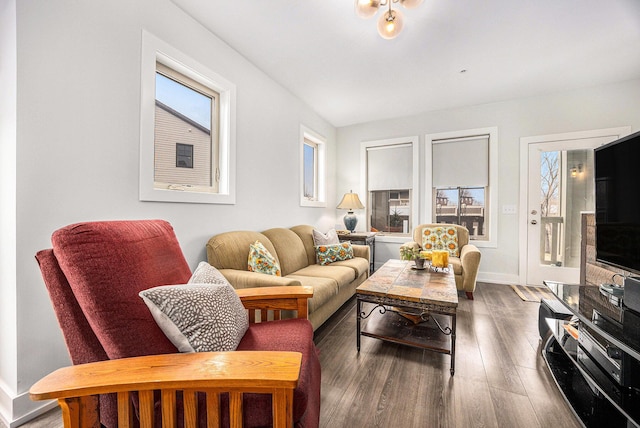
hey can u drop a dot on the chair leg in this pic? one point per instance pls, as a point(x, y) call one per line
point(469, 295)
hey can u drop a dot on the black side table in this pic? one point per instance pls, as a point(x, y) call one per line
point(363, 238)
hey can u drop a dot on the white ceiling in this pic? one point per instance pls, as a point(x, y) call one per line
point(338, 64)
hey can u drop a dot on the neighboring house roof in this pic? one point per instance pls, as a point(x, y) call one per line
point(183, 117)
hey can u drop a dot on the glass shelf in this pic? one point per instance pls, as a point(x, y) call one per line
point(620, 327)
point(594, 395)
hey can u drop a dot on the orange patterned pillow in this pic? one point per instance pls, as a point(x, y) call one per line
point(261, 260)
point(441, 238)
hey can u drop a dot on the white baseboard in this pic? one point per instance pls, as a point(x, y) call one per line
point(18, 410)
point(498, 278)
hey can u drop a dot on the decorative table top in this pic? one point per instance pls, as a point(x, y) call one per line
point(397, 279)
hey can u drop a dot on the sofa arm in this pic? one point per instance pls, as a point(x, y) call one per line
point(361, 251)
point(470, 260)
point(236, 372)
point(244, 279)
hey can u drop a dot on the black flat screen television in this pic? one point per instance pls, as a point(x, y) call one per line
point(617, 179)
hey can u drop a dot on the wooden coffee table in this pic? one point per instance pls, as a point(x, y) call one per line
point(411, 307)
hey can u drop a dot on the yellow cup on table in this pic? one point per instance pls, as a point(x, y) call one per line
point(440, 258)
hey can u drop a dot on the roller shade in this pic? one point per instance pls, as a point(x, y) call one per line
point(390, 167)
point(461, 162)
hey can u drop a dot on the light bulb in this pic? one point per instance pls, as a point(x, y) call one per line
point(366, 8)
point(390, 24)
point(410, 4)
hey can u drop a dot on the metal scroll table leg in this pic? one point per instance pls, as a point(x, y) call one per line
point(358, 304)
point(453, 344)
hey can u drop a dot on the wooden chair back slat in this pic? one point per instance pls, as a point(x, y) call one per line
point(213, 410)
point(168, 407)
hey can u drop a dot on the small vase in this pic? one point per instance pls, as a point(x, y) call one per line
point(419, 263)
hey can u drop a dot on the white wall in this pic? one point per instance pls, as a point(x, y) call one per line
point(78, 108)
point(8, 330)
point(594, 108)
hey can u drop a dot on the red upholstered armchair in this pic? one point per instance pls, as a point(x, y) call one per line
point(94, 274)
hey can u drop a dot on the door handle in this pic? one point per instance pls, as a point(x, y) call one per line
point(534, 221)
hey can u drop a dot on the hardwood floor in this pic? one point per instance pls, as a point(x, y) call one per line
point(500, 381)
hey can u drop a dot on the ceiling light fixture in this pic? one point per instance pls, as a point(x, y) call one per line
point(391, 22)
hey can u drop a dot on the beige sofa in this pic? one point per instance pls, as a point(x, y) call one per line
point(293, 248)
point(465, 267)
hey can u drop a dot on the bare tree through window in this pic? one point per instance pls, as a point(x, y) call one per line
point(550, 199)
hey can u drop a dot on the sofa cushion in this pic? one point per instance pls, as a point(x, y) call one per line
point(198, 317)
point(260, 260)
point(290, 249)
point(305, 233)
point(358, 264)
point(229, 250)
point(324, 288)
point(342, 275)
point(328, 254)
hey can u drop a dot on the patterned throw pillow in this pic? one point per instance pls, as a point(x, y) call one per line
point(261, 260)
point(329, 238)
point(207, 274)
point(198, 317)
point(327, 254)
point(441, 238)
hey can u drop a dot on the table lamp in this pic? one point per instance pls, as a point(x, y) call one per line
point(350, 201)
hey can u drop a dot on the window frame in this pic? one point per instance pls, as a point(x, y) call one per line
point(320, 143)
point(491, 202)
point(156, 51)
point(415, 191)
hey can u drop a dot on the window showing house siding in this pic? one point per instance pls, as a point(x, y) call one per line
point(186, 140)
point(183, 101)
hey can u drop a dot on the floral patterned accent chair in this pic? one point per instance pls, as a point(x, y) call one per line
point(463, 256)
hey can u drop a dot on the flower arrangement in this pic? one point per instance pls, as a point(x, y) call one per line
point(409, 253)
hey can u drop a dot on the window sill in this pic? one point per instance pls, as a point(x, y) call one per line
point(315, 204)
point(395, 239)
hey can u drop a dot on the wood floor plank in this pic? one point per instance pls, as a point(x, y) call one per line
point(513, 410)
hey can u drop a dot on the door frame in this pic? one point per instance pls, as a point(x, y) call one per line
point(614, 133)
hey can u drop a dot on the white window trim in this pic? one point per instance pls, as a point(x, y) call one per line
point(154, 49)
point(321, 150)
point(491, 204)
point(415, 192)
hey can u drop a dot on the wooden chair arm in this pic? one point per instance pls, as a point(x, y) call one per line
point(235, 372)
point(276, 299)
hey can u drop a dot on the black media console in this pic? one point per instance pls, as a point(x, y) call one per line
point(592, 348)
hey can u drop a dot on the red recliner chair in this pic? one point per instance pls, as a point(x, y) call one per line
point(94, 273)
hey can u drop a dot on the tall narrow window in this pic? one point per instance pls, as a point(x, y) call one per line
point(310, 165)
point(312, 169)
point(459, 192)
point(390, 186)
point(186, 111)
